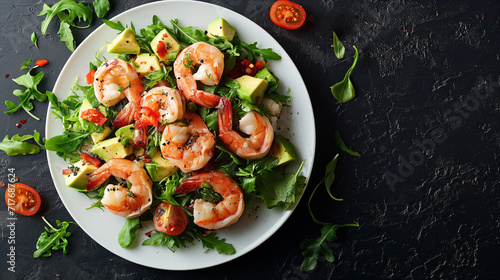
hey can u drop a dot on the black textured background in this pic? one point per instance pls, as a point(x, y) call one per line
point(426, 111)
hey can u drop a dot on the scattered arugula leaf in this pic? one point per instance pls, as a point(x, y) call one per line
point(17, 146)
point(67, 142)
point(338, 47)
point(313, 247)
point(211, 241)
point(52, 239)
point(343, 91)
point(127, 234)
point(34, 39)
point(67, 11)
point(341, 144)
point(25, 97)
point(101, 7)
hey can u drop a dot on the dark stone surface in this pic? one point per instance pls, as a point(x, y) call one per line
point(427, 111)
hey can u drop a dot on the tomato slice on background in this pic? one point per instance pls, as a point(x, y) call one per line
point(287, 14)
point(170, 219)
point(22, 199)
point(94, 116)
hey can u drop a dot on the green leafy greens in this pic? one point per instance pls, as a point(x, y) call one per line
point(67, 11)
point(17, 146)
point(344, 91)
point(341, 144)
point(30, 93)
point(314, 247)
point(126, 236)
point(338, 47)
point(52, 239)
point(101, 7)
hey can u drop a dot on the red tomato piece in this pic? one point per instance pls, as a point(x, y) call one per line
point(41, 62)
point(287, 14)
point(160, 49)
point(90, 159)
point(89, 78)
point(170, 219)
point(22, 199)
point(66, 171)
point(94, 116)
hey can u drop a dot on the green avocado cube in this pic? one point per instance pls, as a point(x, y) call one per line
point(219, 27)
point(125, 43)
point(251, 89)
point(283, 150)
point(146, 63)
point(99, 136)
point(78, 179)
point(160, 168)
point(164, 44)
point(112, 148)
point(267, 76)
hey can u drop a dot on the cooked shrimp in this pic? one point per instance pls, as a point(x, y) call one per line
point(210, 215)
point(190, 146)
point(119, 199)
point(211, 65)
point(162, 104)
point(114, 80)
point(274, 110)
point(252, 123)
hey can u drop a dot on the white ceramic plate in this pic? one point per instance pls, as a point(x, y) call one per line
point(257, 223)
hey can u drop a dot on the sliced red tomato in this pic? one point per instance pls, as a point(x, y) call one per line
point(66, 171)
point(170, 219)
point(22, 199)
point(89, 78)
point(94, 116)
point(41, 62)
point(287, 14)
point(160, 49)
point(90, 159)
point(149, 116)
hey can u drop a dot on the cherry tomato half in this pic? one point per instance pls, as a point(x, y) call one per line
point(170, 219)
point(89, 78)
point(22, 199)
point(94, 116)
point(89, 159)
point(287, 14)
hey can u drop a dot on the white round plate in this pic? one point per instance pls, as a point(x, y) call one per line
point(257, 223)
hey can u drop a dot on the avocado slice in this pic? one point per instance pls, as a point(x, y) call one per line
point(219, 27)
point(283, 150)
point(146, 63)
point(164, 44)
point(127, 131)
point(159, 168)
point(251, 89)
point(112, 148)
point(125, 43)
point(266, 75)
point(99, 136)
point(78, 179)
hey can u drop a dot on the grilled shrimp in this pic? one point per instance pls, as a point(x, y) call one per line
point(210, 63)
point(189, 146)
point(210, 215)
point(252, 123)
point(162, 104)
point(114, 80)
point(119, 199)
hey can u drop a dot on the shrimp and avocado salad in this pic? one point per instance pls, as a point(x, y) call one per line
point(179, 126)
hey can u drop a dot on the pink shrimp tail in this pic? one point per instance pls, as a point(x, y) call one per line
point(225, 116)
point(127, 114)
point(97, 178)
point(206, 99)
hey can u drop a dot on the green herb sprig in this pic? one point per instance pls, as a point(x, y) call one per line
point(344, 91)
point(52, 239)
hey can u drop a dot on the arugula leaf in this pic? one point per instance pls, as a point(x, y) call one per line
point(126, 236)
point(343, 91)
point(280, 189)
point(314, 247)
point(341, 144)
point(172, 242)
point(115, 25)
point(264, 53)
point(34, 39)
point(66, 142)
point(211, 241)
point(101, 7)
point(338, 48)
point(31, 92)
point(52, 239)
point(17, 146)
point(330, 176)
point(67, 11)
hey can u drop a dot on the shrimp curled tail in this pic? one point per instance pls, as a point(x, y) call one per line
point(114, 80)
point(210, 63)
point(119, 199)
point(257, 126)
point(207, 214)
